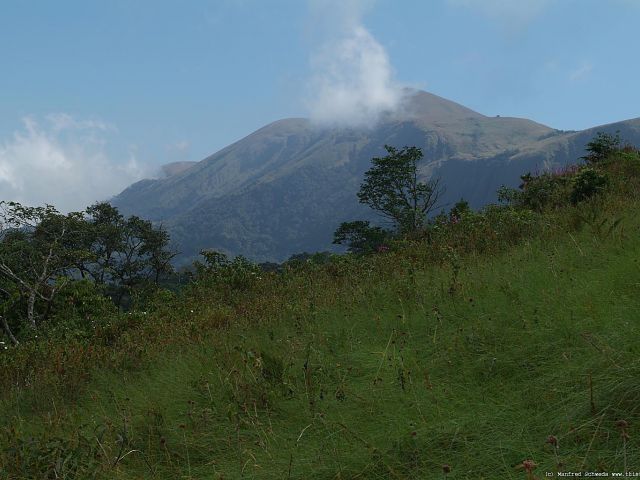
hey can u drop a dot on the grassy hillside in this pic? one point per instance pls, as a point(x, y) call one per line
point(480, 347)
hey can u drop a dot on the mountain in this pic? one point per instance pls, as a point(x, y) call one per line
point(175, 168)
point(286, 187)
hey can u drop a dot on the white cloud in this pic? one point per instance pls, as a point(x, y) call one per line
point(581, 72)
point(352, 79)
point(511, 14)
point(62, 161)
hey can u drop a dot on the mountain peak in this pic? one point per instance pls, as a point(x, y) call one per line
point(287, 186)
point(428, 108)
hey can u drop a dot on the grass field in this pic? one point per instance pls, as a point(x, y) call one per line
point(459, 370)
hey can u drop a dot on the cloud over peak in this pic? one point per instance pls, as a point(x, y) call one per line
point(352, 81)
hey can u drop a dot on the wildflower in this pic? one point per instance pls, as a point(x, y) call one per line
point(552, 440)
point(382, 248)
point(528, 466)
point(623, 425)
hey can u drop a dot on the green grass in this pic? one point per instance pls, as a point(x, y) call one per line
point(390, 369)
point(394, 381)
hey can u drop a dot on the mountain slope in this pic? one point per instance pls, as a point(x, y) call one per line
point(286, 187)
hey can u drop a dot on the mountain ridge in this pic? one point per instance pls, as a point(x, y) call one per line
point(285, 187)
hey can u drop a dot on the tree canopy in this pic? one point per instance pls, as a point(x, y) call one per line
point(392, 188)
point(42, 251)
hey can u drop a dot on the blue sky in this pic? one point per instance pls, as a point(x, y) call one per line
point(96, 94)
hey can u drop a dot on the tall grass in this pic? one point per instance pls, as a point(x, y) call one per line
point(440, 359)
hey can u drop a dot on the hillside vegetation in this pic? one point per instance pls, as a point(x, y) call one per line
point(491, 345)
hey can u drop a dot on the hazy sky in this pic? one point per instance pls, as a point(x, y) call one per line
point(96, 94)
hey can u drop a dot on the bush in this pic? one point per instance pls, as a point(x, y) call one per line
point(238, 274)
point(537, 192)
point(361, 237)
point(588, 183)
point(601, 147)
point(79, 307)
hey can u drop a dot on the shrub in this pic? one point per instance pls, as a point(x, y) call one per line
point(78, 308)
point(360, 236)
point(237, 274)
point(588, 183)
point(602, 146)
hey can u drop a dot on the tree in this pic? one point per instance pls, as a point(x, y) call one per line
point(38, 251)
point(391, 188)
point(43, 251)
point(104, 239)
point(360, 237)
point(460, 209)
point(126, 252)
point(603, 145)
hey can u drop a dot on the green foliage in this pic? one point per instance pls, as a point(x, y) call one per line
point(38, 248)
point(78, 309)
point(391, 188)
point(528, 343)
point(361, 237)
point(238, 274)
point(459, 210)
point(126, 253)
point(548, 190)
point(306, 259)
point(487, 230)
point(602, 147)
point(42, 252)
point(588, 183)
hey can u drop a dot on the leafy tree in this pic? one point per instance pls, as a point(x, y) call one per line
point(460, 209)
point(360, 237)
point(104, 233)
point(537, 192)
point(42, 252)
point(38, 251)
point(391, 187)
point(237, 274)
point(603, 145)
point(214, 262)
point(126, 252)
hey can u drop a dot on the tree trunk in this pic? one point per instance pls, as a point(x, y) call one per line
point(7, 330)
point(31, 302)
